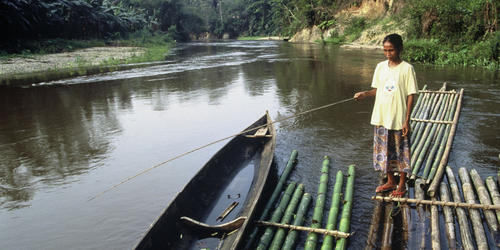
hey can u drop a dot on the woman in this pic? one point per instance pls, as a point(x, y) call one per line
point(394, 86)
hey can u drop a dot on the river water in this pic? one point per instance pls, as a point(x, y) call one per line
point(64, 142)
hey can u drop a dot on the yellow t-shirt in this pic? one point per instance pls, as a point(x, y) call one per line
point(393, 87)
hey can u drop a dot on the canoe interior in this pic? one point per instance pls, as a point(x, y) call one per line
point(232, 174)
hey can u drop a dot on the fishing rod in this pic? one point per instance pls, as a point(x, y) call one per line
point(217, 141)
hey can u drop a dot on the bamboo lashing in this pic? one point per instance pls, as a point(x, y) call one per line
point(437, 203)
point(333, 233)
point(440, 171)
point(438, 91)
point(431, 121)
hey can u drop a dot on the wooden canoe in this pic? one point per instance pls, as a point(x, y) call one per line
point(236, 173)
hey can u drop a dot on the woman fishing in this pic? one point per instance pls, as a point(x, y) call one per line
point(394, 85)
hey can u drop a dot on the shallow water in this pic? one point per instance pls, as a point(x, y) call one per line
point(66, 141)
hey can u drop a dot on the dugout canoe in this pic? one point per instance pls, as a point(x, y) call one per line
point(237, 173)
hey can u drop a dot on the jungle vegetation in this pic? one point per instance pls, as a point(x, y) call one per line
point(463, 32)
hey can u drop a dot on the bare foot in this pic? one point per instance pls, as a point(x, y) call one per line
point(398, 193)
point(385, 187)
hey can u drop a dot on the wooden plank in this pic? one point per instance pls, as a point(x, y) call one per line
point(261, 131)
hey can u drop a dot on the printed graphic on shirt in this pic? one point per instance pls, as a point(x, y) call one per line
point(391, 84)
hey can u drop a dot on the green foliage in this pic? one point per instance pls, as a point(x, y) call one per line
point(335, 38)
point(326, 24)
point(68, 19)
point(447, 20)
point(354, 28)
point(425, 51)
point(483, 53)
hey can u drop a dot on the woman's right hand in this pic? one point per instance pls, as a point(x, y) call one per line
point(359, 95)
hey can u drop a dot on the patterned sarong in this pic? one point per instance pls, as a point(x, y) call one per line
point(391, 151)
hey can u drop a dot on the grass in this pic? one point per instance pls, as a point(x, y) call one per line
point(155, 47)
point(251, 38)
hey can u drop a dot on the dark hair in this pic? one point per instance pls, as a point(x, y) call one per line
point(395, 40)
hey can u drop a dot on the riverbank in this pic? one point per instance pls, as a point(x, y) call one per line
point(67, 60)
point(30, 68)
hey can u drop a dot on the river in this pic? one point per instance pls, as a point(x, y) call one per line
point(64, 142)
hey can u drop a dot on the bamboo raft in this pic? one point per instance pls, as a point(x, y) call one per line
point(433, 125)
point(281, 229)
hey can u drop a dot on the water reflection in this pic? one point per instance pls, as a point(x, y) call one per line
point(50, 134)
point(72, 140)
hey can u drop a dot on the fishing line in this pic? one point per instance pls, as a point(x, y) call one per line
point(219, 140)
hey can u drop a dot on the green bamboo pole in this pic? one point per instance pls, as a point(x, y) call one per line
point(444, 141)
point(444, 159)
point(406, 222)
point(274, 196)
point(448, 217)
point(345, 219)
point(495, 196)
point(417, 105)
point(484, 198)
point(417, 147)
point(420, 114)
point(465, 234)
point(334, 211)
point(421, 220)
point(441, 130)
point(434, 138)
point(435, 240)
point(312, 238)
point(291, 238)
point(425, 100)
point(266, 238)
point(475, 216)
point(388, 227)
point(374, 231)
point(290, 209)
point(428, 136)
point(421, 125)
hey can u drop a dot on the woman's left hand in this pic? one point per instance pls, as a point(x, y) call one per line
point(406, 128)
